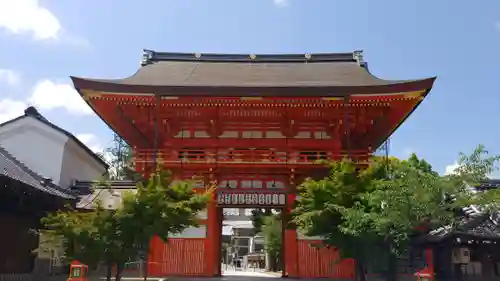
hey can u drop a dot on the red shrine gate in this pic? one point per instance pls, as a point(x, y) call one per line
point(256, 125)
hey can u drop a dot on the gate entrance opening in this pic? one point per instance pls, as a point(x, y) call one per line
point(198, 251)
point(252, 242)
point(238, 240)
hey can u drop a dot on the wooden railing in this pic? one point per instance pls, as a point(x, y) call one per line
point(242, 156)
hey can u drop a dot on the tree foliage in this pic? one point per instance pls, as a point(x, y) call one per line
point(272, 232)
point(81, 232)
point(258, 216)
point(268, 222)
point(378, 210)
point(114, 236)
point(119, 156)
point(318, 211)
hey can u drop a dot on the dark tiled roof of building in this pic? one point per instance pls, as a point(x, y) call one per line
point(473, 222)
point(14, 169)
point(485, 226)
point(91, 191)
point(332, 74)
point(33, 112)
point(489, 184)
point(84, 187)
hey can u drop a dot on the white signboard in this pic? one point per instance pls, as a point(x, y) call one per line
point(251, 198)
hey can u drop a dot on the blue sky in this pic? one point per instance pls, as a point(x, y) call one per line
point(42, 43)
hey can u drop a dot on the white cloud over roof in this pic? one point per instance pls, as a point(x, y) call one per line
point(10, 109)
point(48, 95)
point(28, 16)
point(10, 77)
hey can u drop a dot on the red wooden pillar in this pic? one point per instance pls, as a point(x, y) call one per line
point(211, 239)
point(429, 257)
point(218, 242)
point(291, 245)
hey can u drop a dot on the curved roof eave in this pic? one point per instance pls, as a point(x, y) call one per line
point(118, 86)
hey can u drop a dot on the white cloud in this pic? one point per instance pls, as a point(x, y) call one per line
point(28, 16)
point(91, 141)
point(95, 144)
point(450, 169)
point(281, 3)
point(48, 95)
point(11, 77)
point(10, 109)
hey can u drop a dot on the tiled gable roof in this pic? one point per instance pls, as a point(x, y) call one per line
point(110, 193)
point(474, 221)
point(486, 227)
point(13, 168)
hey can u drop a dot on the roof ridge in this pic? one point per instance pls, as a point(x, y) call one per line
point(31, 111)
point(150, 56)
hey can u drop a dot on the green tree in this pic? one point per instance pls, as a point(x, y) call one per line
point(268, 222)
point(272, 232)
point(115, 236)
point(412, 197)
point(472, 170)
point(319, 210)
point(85, 236)
point(161, 208)
point(258, 216)
point(420, 164)
point(398, 206)
point(380, 209)
point(119, 156)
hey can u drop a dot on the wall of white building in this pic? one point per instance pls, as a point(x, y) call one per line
point(36, 145)
point(49, 152)
point(78, 164)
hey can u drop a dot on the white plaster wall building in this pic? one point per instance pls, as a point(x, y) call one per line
point(51, 159)
point(49, 150)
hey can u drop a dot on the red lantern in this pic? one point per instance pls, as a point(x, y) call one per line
point(78, 271)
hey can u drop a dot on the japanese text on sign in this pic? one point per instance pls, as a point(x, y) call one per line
point(251, 198)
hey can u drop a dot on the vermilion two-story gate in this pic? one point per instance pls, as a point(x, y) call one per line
point(255, 124)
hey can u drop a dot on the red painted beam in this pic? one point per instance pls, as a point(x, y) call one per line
point(383, 127)
point(279, 144)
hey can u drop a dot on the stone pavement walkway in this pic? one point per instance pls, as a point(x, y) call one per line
point(136, 279)
point(251, 274)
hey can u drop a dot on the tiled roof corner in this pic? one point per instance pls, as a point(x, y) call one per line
point(474, 221)
point(11, 167)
